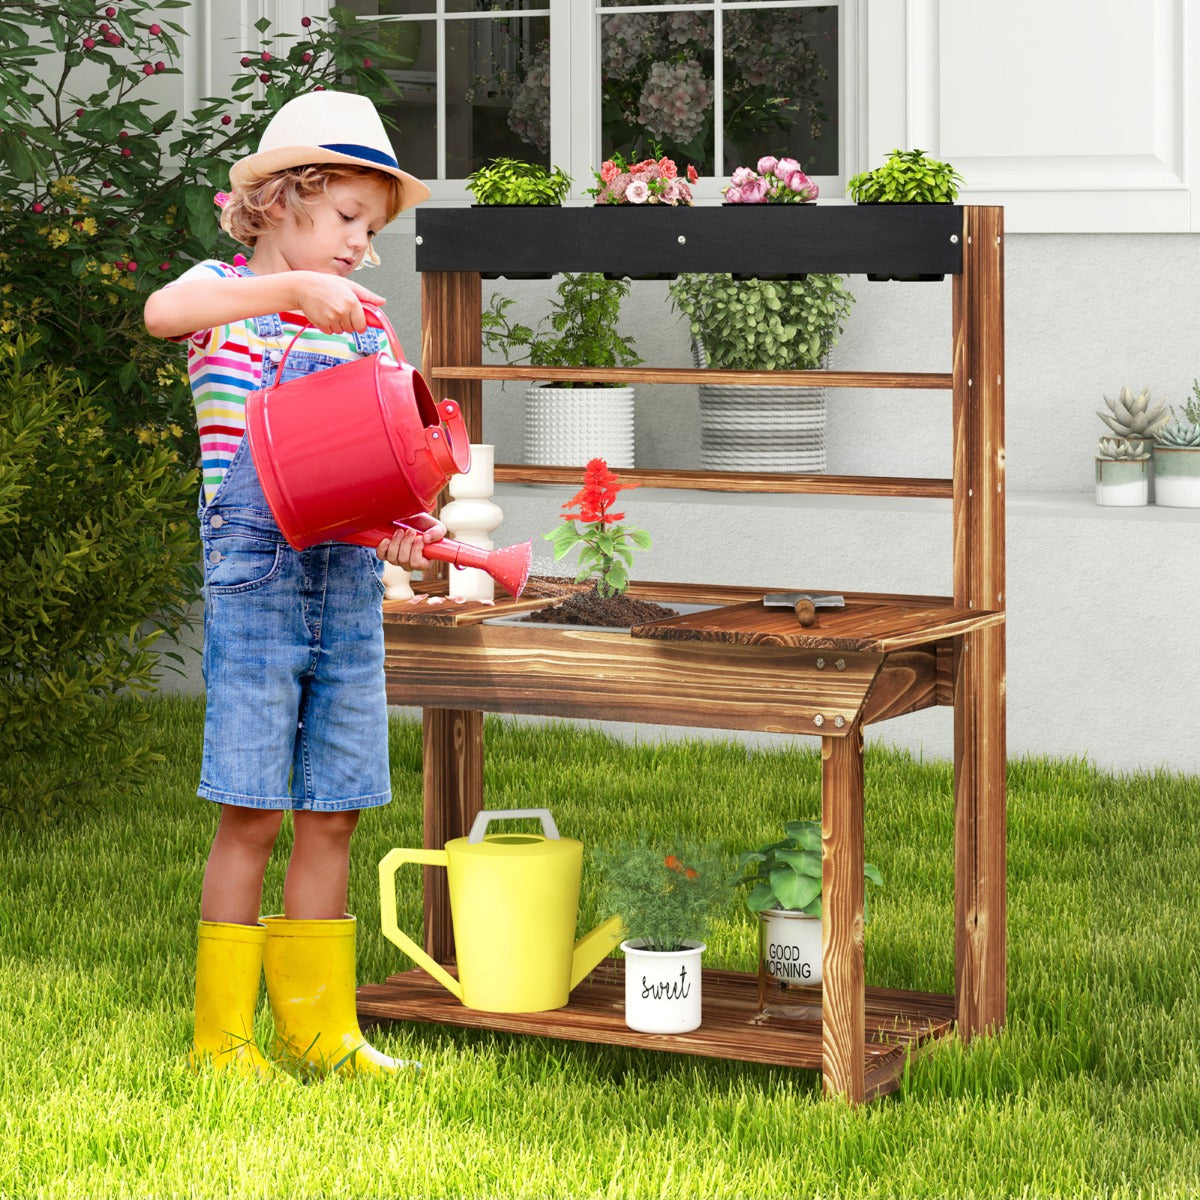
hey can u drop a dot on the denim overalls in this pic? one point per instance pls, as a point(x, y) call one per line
point(293, 648)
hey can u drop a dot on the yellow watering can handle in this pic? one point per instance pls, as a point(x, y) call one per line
point(388, 865)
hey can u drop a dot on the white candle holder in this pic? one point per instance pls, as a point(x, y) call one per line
point(472, 517)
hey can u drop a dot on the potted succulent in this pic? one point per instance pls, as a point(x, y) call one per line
point(784, 879)
point(906, 177)
point(566, 424)
point(1177, 457)
point(667, 899)
point(763, 325)
point(513, 181)
point(1123, 457)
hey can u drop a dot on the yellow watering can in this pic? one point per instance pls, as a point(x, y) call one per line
point(514, 900)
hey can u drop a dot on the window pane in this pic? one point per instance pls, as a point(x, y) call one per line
point(388, 8)
point(782, 100)
point(657, 85)
point(411, 117)
point(496, 6)
point(498, 92)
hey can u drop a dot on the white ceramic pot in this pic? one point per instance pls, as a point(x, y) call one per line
point(565, 427)
point(662, 988)
point(1177, 476)
point(790, 945)
point(1122, 482)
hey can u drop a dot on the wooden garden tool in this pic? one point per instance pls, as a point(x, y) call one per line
point(804, 604)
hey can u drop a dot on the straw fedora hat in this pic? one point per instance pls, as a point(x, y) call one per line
point(325, 127)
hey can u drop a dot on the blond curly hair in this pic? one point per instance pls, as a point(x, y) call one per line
point(247, 214)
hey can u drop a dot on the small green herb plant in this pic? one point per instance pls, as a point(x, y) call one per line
point(582, 327)
point(906, 177)
point(763, 324)
point(514, 181)
point(787, 874)
point(666, 896)
point(604, 543)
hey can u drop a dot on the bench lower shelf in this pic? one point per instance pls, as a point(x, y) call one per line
point(786, 1032)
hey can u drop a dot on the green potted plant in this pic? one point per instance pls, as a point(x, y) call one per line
point(1123, 456)
point(762, 325)
point(514, 181)
point(667, 898)
point(566, 424)
point(1177, 457)
point(784, 879)
point(906, 177)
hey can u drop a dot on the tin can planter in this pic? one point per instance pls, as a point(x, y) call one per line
point(1122, 482)
point(662, 988)
point(1177, 476)
point(565, 427)
point(790, 947)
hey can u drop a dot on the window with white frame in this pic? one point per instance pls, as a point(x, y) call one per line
point(714, 83)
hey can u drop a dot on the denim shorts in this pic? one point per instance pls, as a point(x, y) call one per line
point(293, 661)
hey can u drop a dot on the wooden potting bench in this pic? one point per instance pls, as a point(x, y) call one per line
point(740, 665)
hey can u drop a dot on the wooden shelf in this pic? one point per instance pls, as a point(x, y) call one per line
point(787, 1032)
point(926, 380)
point(743, 481)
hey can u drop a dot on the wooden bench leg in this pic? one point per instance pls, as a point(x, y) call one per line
point(453, 745)
point(843, 994)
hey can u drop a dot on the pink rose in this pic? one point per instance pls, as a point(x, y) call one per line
point(637, 192)
point(685, 193)
point(754, 192)
point(767, 164)
point(732, 195)
point(742, 176)
point(786, 167)
point(609, 170)
point(667, 169)
point(692, 174)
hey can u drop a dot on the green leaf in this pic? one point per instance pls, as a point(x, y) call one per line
point(794, 891)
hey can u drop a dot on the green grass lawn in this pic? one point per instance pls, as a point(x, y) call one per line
point(1092, 1090)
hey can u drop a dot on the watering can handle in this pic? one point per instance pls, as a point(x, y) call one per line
point(479, 828)
point(375, 316)
point(388, 865)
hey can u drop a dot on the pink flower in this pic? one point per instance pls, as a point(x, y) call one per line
point(800, 183)
point(767, 164)
point(637, 192)
point(787, 167)
point(692, 174)
point(754, 192)
point(609, 170)
point(742, 176)
point(732, 195)
point(667, 169)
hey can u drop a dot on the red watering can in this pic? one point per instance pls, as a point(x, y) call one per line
point(349, 453)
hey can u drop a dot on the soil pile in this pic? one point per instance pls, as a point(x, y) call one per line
point(590, 608)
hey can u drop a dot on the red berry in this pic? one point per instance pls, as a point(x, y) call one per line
point(126, 153)
point(164, 266)
point(79, 112)
point(155, 30)
point(367, 62)
point(160, 66)
point(131, 266)
point(266, 56)
point(38, 206)
point(265, 77)
point(245, 60)
point(123, 134)
point(119, 264)
point(306, 57)
point(226, 119)
point(306, 21)
point(110, 11)
point(89, 43)
point(147, 70)
point(319, 88)
point(113, 39)
point(104, 26)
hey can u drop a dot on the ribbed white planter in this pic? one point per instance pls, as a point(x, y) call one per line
point(750, 428)
point(662, 988)
point(565, 427)
point(1177, 476)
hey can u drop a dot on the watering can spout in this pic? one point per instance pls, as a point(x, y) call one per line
point(595, 946)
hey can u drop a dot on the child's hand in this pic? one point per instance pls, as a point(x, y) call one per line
point(333, 304)
point(403, 548)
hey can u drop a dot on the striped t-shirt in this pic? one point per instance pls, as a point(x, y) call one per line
point(226, 364)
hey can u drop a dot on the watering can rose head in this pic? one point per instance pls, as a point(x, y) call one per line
point(605, 552)
point(665, 896)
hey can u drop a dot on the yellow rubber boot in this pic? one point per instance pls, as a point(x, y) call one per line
point(228, 967)
point(309, 967)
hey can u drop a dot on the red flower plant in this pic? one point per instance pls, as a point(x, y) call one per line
point(604, 550)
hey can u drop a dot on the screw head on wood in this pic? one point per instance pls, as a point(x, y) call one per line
point(818, 719)
point(420, 241)
point(682, 240)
